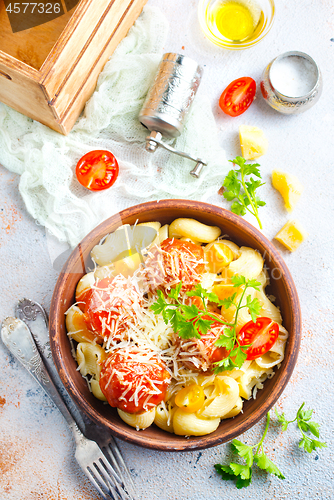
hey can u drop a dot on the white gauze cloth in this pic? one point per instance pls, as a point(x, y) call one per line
point(46, 160)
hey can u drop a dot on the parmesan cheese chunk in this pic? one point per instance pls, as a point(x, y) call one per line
point(253, 142)
point(291, 235)
point(289, 187)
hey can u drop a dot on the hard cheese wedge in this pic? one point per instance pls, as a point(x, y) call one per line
point(289, 187)
point(291, 235)
point(253, 142)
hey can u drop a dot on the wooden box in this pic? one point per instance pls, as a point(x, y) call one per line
point(48, 72)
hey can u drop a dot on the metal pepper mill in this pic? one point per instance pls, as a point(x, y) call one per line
point(168, 102)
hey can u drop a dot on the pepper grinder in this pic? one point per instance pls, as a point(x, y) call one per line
point(168, 102)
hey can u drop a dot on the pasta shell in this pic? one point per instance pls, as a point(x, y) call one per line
point(138, 420)
point(96, 390)
point(222, 400)
point(77, 328)
point(235, 410)
point(89, 358)
point(188, 424)
point(193, 229)
point(249, 264)
point(164, 416)
point(86, 282)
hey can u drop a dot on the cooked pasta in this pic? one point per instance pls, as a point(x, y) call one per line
point(248, 264)
point(140, 420)
point(131, 356)
point(189, 424)
point(89, 358)
point(221, 398)
point(196, 231)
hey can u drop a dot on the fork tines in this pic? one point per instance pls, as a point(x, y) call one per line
point(99, 475)
point(117, 460)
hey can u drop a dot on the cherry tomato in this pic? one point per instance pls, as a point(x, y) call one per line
point(190, 399)
point(201, 354)
point(134, 381)
point(97, 170)
point(173, 262)
point(109, 306)
point(262, 335)
point(238, 96)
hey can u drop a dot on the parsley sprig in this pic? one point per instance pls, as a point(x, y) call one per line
point(305, 424)
point(189, 321)
point(243, 191)
point(243, 473)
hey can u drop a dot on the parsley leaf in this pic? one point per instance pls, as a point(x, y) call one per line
point(282, 420)
point(187, 330)
point(203, 325)
point(263, 462)
point(160, 304)
point(304, 423)
point(254, 307)
point(243, 190)
point(190, 312)
point(201, 292)
point(175, 292)
point(243, 450)
point(238, 280)
point(243, 473)
point(189, 321)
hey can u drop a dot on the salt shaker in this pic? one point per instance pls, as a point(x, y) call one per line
point(291, 83)
point(168, 102)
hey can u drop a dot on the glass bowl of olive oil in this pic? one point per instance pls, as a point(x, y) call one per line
point(236, 24)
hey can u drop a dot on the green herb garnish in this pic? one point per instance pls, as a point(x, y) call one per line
point(189, 321)
point(243, 191)
point(305, 424)
point(243, 473)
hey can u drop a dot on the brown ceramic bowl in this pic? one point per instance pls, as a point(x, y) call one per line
point(240, 231)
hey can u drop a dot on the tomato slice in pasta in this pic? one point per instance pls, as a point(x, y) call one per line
point(262, 335)
point(134, 380)
point(190, 399)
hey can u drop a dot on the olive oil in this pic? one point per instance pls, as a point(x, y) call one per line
point(234, 20)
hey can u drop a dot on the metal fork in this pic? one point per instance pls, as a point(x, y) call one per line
point(35, 316)
point(18, 339)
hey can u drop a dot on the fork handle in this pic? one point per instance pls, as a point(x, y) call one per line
point(19, 341)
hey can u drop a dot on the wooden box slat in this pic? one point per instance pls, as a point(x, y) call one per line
point(21, 90)
point(56, 92)
point(109, 32)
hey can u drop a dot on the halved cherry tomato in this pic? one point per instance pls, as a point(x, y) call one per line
point(262, 335)
point(190, 399)
point(97, 170)
point(238, 96)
